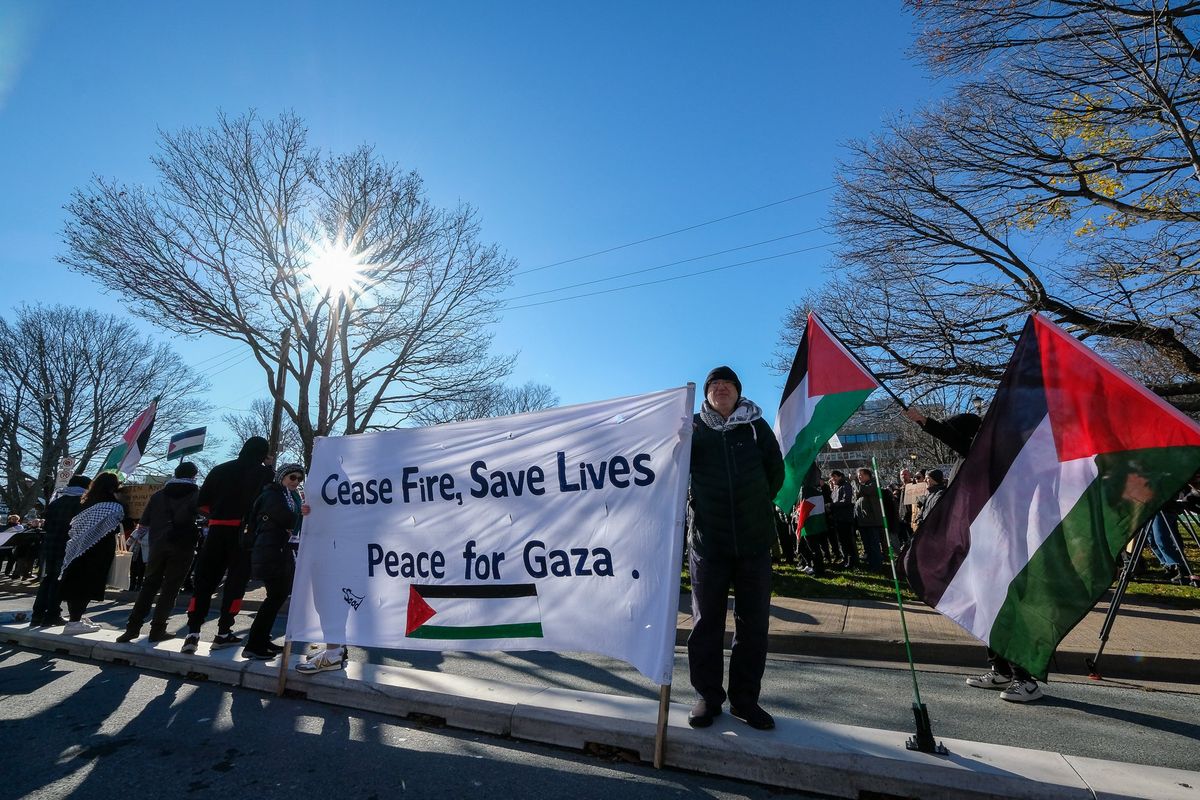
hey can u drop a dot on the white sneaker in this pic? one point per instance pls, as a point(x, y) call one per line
point(1022, 691)
point(80, 627)
point(990, 680)
point(323, 661)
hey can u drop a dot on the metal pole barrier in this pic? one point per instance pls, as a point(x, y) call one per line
point(1118, 596)
point(922, 740)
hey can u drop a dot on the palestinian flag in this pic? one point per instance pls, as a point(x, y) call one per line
point(471, 611)
point(186, 443)
point(1072, 459)
point(124, 458)
point(810, 519)
point(826, 385)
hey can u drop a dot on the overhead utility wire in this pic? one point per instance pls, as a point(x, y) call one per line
point(674, 278)
point(672, 233)
point(664, 266)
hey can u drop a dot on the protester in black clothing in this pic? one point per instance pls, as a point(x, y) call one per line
point(47, 608)
point(276, 519)
point(170, 519)
point(91, 546)
point(226, 496)
point(841, 520)
point(736, 471)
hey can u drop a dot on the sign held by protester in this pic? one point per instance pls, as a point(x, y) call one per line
point(556, 530)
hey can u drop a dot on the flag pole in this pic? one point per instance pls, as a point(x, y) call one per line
point(922, 740)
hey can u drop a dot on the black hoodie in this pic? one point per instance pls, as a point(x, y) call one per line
point(231, 488)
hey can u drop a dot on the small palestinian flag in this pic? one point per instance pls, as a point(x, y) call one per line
point(508, 611)
point(810, 519)
point(186, 443)
point(826, 385)
point(1072, 459)
point(124, 458)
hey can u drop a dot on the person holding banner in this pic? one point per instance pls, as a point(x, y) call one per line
point(276, 518)
point(736, 471)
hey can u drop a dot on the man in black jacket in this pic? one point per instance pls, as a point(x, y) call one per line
point(170, 516)
point(737, 469)
point(228, 493)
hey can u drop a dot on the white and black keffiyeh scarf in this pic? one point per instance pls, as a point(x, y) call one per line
point(746, 412)
point(90, 526)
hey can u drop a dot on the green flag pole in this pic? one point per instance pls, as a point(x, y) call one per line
point(922, 740)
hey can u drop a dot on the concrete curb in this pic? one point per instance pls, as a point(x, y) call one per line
point(836, 760)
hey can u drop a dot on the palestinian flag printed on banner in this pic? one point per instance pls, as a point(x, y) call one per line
point(474, 611)
point(825, 386)
point(1072, 459)
point(811, 521)
point(124, 458)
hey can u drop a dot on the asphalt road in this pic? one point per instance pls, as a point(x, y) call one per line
point(74, 729)
point(1157, 725)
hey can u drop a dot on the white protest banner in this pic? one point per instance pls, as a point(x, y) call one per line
point(557, 530)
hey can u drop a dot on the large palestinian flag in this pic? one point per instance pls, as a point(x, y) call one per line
point(1072, 459)
point(825, 386)
point(124, 458)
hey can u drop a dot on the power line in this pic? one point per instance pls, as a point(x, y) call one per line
point(664, 266)
point(672, 233)
point(674, 278)
point(218, 356)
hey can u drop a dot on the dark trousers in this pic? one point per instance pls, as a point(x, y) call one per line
point(750, 578)
point(278, 589)
point(169, 564)
point(841, 531)
point(1005, 667)
point(221, 554)
point(47, 606)
point(809, 548)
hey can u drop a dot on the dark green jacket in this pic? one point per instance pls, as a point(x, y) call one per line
point(735, 477)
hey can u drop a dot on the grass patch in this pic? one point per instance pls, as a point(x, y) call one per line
point(863, 584)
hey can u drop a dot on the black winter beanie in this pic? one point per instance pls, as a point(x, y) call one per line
point(723, 374)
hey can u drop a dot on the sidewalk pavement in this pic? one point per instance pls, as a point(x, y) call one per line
point(1147, 642)
point(825, 758)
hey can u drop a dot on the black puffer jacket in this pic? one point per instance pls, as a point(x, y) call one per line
point(735, 476)
point(273, 523)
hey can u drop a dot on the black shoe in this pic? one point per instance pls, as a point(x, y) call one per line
point(255, 654)
point(129, 636)
point(271, 647)
point(50, 622)
point(222, 640)
point(160, 636)
point(754, 716)
point(703, 713)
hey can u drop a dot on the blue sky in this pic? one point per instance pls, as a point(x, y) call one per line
point(572, 128)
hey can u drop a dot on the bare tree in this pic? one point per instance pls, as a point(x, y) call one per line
point(337, 266)
point(71, 382)
point(1061, 177)
point(491, 401)
point(257, 422)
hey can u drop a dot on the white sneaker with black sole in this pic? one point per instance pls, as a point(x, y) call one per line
point(190, 643)
point(222, 640)
point(1022, 691)
point(990, 680)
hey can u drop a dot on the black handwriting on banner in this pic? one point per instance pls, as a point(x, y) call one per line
point(414, 486)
